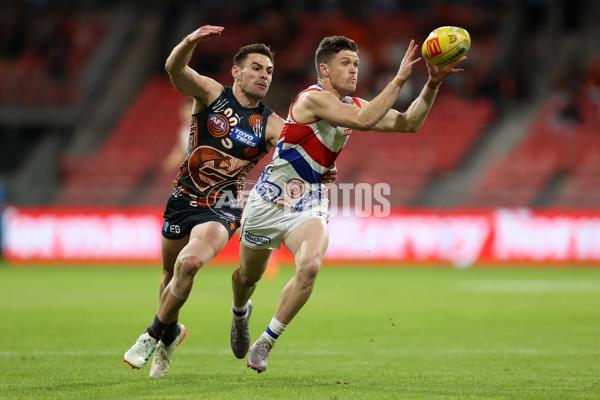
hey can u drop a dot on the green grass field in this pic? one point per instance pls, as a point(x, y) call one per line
point(407, 333)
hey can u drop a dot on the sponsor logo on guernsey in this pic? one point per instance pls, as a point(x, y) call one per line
point(310, 200)
point(218, 125)
point(268, 190)
point(244, 137)
point(256, 239)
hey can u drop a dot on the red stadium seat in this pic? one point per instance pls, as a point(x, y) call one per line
point(139, 142)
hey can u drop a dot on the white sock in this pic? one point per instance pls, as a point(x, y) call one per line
point(273, 331)
point(239, 312)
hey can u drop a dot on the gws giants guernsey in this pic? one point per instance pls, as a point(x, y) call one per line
point(303, 154)
point(226, 140)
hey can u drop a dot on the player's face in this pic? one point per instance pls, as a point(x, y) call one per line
point(256, 75)
point(343, 71)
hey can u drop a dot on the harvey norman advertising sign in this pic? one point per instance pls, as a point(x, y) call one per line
point(462, 238)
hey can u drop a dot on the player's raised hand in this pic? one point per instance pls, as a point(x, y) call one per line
point(439, 73)
point(204, 33)
point(408, 62)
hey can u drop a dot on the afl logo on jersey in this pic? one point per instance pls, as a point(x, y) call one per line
point(218, 125)
point(256, 120)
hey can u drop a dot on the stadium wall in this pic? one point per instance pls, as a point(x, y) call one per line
point(461, 238)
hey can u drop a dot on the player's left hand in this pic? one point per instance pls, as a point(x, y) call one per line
point(330, 176)
point(408, 62)
point(204, 33)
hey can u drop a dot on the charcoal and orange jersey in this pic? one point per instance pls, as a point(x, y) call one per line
point(226, 140)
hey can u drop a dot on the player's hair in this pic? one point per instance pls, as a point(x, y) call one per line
point(329, 47)
point(258, 48)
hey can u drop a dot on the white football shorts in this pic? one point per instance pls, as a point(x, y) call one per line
point(265, 224)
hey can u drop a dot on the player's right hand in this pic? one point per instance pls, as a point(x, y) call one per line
point(204, 33)
point(408, 62)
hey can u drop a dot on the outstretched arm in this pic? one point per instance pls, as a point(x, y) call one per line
point(414, 117)
point(184, 78)
point(325, 105)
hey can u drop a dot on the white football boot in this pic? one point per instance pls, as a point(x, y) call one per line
point(162, 358)
point(137, 356)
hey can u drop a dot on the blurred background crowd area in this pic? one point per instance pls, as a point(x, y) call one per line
point(88, 115)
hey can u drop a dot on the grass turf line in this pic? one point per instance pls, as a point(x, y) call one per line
point(367, 333)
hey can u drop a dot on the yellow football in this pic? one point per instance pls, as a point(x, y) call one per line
point(446, 45)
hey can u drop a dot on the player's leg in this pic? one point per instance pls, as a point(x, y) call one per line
point(253, 263)
point(175, 332)
point(170, 249)
point(307, 243)
point(206, 241)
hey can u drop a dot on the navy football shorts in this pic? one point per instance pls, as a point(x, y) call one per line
point(180, 217)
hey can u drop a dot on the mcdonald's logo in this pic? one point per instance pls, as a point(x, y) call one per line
point(433, 47)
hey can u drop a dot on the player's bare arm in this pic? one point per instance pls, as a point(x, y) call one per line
point(414, 117)
point(273, 131)
point(187, 81)
point(314, 105)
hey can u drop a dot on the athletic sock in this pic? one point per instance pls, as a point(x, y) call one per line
point(157, 328)
point(273, 331)
point(170, 333)
point(239, 312)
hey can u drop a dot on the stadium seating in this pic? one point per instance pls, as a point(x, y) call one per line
point(407, 162)
point(583, 189)
point(132, 154)
point(46, 69)
point(513, 181)
point(555, 146)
